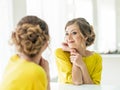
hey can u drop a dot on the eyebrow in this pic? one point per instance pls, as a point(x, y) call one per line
point(71, 30)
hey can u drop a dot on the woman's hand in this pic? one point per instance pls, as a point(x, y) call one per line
point(65, 47)
point(45, 65)
point(76, 58)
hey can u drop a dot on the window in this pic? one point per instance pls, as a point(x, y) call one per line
point(5, 30)
point(106, 29)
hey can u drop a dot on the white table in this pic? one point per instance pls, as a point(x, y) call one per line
point(59, 86)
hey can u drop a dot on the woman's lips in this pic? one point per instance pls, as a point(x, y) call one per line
point(70, 42)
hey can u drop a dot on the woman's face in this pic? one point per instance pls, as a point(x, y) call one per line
point(74, 37)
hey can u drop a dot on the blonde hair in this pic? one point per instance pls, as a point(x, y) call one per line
point(85, 28)
point(30, 35)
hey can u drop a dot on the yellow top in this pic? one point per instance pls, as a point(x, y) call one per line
point(64, 66)
point(21, 74)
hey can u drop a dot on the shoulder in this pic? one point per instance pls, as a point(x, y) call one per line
point(62, 56)
point(37, 69)
point(59, 51)
point(14, 57)
point(33, 72)
point(97, 57)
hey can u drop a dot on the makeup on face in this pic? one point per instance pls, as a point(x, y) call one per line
point(73, 36)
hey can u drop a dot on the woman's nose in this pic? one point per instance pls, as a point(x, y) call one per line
point(69, 37)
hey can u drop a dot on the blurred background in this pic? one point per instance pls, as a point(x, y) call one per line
point(104, 15)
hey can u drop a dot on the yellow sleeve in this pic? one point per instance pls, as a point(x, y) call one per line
point(96, 76)
point(63, 65)
point(39, 80)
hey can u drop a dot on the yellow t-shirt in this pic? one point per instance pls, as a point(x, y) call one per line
point(21, 74)
point(64, 66)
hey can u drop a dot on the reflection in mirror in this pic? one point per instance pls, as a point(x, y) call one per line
point(104, 15)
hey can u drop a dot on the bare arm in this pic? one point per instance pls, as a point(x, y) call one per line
point(86, 77)
point(77, 61)
point(80, 73)
point(76, 75)
point(76, 71)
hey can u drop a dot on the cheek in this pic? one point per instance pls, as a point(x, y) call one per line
point(78, 39)
point(65, 39)
point(81, 43)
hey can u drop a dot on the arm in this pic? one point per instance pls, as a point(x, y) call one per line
point(45, 65)
point(76, 75)
point(96, 75)
point(76, 59)
point(76, 71)
point(79, 69)
point(86, 76)
point(64, 66)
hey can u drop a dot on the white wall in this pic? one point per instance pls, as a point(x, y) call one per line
point(5, 30)
point(19, 10)
point(111, 69)
point(118, 23)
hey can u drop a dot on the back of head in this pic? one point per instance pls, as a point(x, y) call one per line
point(30, 35)
point(85, 28)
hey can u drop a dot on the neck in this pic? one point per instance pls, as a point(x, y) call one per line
point(35, 59)
point(84, 52)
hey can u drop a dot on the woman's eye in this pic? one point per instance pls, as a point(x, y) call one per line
point(66, 34)
point(74, 33)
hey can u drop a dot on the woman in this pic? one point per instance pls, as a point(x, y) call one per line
point(27, 69)
point(75, 63)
